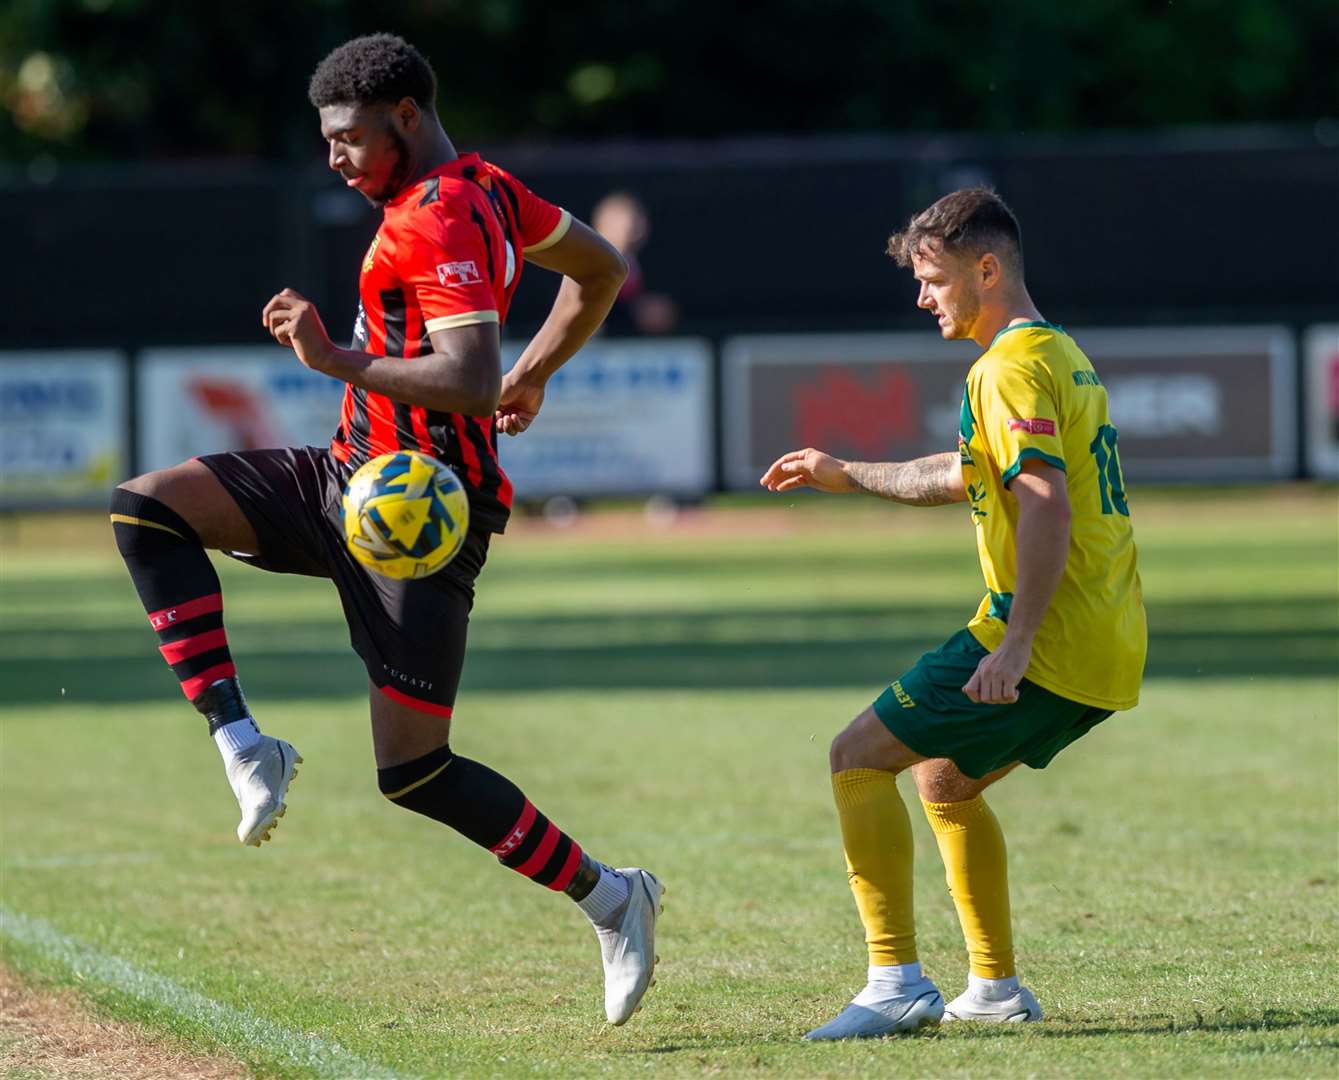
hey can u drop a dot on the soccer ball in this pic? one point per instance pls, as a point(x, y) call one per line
point(405, 515)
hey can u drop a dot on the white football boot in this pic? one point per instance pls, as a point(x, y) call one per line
point(885, 1011)
point(629, 949)
point(990, 1005)
point(260, 776)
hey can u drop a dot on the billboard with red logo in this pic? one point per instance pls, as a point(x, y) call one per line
point(1321, 395)
point(202, 401)
point(1191, 403)
point(620, 418)
point(865, 397)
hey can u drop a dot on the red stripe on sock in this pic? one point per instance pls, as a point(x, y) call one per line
point(415, 703)
point(174, 652)
point(191, 609)
point(198, 684)
point(516, 834)
point(535, 863)
point(569, 870)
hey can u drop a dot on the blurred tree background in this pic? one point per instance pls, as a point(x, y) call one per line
point(136, 79)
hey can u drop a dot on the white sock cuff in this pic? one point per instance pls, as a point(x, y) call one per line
point(993, 987)
point(896, 974)
point(237, 736)
point(609, 894)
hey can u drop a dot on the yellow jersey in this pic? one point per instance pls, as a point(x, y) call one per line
point(1033, 394)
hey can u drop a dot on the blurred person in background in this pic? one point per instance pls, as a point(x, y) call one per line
point(1057, 644)
point(424, 374)
point(622, 220)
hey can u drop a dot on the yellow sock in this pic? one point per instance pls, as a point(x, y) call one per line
point(876, 837)
point(972, 847)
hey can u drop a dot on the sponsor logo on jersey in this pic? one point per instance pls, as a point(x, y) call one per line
point(360, 327)
point(458, 273)
point(1032, 427)
point(371, 253)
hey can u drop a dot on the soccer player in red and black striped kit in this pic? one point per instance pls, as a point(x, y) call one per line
point(425, 374)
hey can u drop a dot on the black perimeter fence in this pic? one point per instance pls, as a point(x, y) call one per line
point(767, 234)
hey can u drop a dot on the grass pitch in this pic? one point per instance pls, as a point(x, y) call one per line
point(668, 697)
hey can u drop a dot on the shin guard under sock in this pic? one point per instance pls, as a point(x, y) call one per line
point(180, 591)
point(876, 838)
point(977, 868)
point(487, 808)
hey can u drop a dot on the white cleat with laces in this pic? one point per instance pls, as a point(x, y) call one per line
point(259, 776)
point(992, 1005)
point(883, 1010)
point(628, 949)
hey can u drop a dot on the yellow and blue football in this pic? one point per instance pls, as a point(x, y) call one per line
point(405, 514)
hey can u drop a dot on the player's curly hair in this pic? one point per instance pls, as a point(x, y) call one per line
point(974, 220)
point(374, 68)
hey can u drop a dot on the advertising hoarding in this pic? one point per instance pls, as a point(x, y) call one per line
point(1191, 403)
point(620, 418)
point(1321, 390)
point(63, 427)
point(206, 400)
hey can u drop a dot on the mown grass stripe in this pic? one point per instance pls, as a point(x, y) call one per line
point(233, 1026)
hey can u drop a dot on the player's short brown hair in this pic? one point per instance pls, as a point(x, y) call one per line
point(375, 68)
point(973, 220)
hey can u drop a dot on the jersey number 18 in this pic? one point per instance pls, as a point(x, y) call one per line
point(1110, 483)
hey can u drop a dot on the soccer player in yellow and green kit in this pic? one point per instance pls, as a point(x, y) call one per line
point(1056, 646)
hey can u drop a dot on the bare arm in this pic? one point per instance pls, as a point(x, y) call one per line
point(929, 481)
point(1042, 543)
point(593, 272)
point(462, 374)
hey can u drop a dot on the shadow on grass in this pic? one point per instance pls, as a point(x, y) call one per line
point(1066, 1027)
point(1062, 1027)
point(847, 645)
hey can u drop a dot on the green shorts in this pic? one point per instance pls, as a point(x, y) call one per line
point(927, 710)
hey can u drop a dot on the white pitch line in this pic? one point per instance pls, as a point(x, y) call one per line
point(233, 1026)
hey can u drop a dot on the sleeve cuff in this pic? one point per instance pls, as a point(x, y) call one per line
point(559, 231)
point(1030, 452)
point(465, 318)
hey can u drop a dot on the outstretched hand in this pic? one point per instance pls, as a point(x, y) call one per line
point(518, 405)
point(807, 468)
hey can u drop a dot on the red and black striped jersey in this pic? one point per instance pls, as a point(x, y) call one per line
point(449, 253)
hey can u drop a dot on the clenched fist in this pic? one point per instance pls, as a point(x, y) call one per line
point(292, 320)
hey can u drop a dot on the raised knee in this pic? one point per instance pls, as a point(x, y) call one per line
point(150, 484)
point(408, 784)
point(844, 752)
point(940, 781)
point(939, 791)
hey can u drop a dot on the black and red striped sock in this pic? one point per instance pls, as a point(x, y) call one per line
point(490, 810)
point(180, 591)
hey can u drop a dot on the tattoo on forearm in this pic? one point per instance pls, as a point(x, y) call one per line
point(927, 481)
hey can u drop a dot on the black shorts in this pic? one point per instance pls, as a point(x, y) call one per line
point(410, 634)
